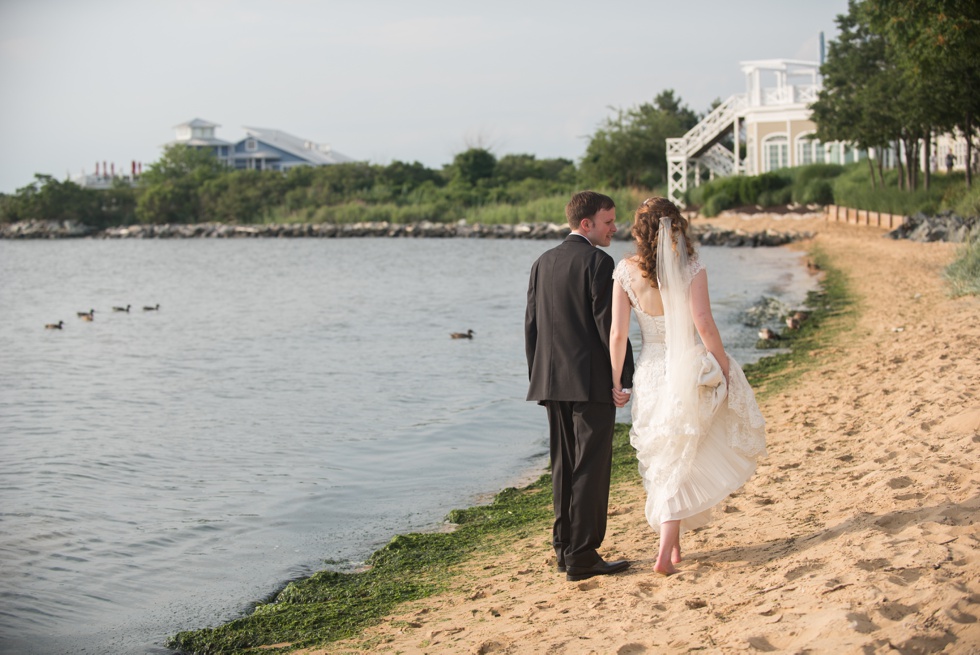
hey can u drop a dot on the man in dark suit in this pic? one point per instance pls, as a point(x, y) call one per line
point(566, 331)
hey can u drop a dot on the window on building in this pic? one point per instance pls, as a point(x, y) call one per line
point(809, 150)
point(251, 144)
point(775, 152)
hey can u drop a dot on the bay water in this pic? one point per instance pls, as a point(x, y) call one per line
point(291, 406)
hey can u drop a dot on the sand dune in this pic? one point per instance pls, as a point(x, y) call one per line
point(858, 534)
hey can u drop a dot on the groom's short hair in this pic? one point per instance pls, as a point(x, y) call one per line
point(586, 204)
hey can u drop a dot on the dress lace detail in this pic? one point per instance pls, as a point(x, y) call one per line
point(623, 275)
point(688, 466)
point(694, 267)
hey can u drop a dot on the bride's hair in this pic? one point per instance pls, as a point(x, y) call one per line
point(646, 225)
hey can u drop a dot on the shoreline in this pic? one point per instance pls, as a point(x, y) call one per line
point(53, 230)
point(856, 535)
point(400, 630)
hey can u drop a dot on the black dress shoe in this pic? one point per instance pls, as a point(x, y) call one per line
point(599, 568)
point(561, 567)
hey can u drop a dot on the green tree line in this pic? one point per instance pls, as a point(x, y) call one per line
point(900, 72)
point(188, 185)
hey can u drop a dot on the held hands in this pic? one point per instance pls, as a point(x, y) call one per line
point(621, 396)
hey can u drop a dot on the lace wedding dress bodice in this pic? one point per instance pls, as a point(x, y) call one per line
point(685, 486)
point(652, 331)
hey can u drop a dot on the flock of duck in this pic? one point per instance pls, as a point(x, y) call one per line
point(89, 316)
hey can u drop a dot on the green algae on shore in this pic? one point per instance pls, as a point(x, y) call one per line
point(831, 311)
point(331, 605)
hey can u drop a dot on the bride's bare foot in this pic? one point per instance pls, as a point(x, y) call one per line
point(670, 547)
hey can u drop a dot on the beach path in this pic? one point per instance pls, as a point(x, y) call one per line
point(857, 535)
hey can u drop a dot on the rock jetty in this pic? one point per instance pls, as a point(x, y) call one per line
point(38, 229)
point(944, 226)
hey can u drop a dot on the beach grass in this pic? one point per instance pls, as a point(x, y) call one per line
point(544, 209)
point(963, 275)
point(334, 605)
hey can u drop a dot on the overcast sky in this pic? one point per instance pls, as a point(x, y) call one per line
point(107, 80)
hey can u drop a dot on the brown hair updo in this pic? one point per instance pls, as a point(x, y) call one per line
point(646, 226)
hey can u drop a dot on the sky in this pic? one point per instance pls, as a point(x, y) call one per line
point(378, 80)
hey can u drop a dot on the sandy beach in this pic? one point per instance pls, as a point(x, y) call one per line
point(857, 535)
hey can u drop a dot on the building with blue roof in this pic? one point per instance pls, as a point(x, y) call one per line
point(262, 149)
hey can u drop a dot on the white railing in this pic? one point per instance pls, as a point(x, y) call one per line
point(719, 160)
point(790, 95)
point(713, 124)
point(699, 143)
point(807, 93)
point(777, 96)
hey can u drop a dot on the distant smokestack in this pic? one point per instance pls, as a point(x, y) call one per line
point(822, 51)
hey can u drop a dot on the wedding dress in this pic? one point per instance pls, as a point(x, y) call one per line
point(690, 457)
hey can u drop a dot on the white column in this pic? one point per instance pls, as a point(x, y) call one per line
point(790, 144)
point(735, 166)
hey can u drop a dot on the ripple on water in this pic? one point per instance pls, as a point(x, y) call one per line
point(288, 405)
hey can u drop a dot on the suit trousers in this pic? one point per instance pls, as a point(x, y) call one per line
point(581, 462)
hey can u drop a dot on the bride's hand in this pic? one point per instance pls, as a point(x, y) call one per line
point(620, 397)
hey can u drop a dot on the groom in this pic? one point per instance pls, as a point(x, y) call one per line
point(566, 333)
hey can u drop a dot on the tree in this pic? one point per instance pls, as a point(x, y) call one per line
point(48, 199)
point(938, 40)
point(630, 149)
point(242, 196)
point(172, 185)
point(401, 180)
point(853, 105)
point(871, 98)
point(517, 168)
point(471, 166)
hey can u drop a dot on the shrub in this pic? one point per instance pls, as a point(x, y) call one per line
point(962, 200)
point(776, 197)
point(816, 192)
point(963, 274)
point(806, 174)
point(717, 203)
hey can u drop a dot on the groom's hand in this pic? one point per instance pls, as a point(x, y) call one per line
point(621, 397)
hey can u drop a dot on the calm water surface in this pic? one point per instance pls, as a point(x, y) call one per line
point(292, 405)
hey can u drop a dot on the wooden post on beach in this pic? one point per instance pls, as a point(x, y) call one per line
point(868, 217)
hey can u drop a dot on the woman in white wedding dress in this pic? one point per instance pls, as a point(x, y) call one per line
point(697, 429)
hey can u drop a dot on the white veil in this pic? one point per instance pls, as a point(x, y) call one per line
point(693, 399)
point(676, 413)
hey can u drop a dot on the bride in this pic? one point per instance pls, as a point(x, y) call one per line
point(697, 429)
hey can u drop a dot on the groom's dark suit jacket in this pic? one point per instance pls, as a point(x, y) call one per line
point(566, 327)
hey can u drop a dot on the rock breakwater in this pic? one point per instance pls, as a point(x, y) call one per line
point(945, 226)
point(38, 229)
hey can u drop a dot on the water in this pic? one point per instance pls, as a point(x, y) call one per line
point(292, 401)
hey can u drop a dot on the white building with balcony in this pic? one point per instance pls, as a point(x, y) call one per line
point(771, 121)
